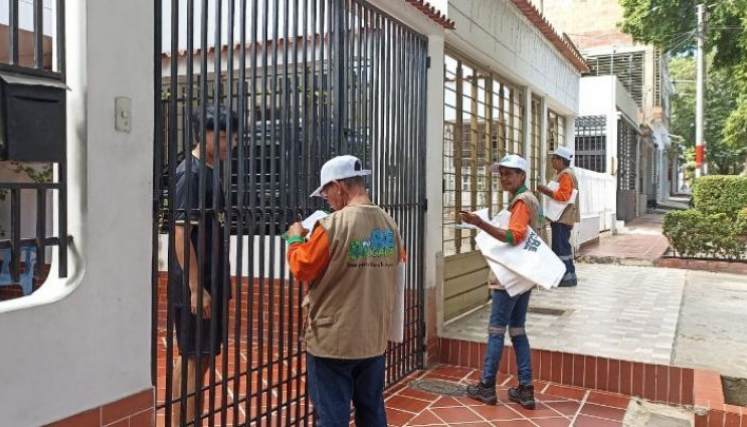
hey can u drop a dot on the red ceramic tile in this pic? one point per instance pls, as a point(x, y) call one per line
point(496, 413)
point(90, 418)
point(626, 375)
point(650, 381)
point(144, 419)
point(552, 422)
point(687, 386)
point(121, 423)
point(557, 368)
point(417, 394)
point(674, 392)
point(701, 420)
point(545, 373)
point(514, 423)
point(590, 372)
point(540, 411)
point(567, 408)
point(607, 399)
point(453, 372)
point(662, 384)
point(398, 418)
point(536, 365)
point(567, 369)
point(716, 419)
point(126, 407)
point(476, 357)
point(456, 415)
point(587, 421)
point(443, 350)
point(613, 377)
point(639, 379)
point(602, 373)
point(566, 392)
point(425, 418)
point(446, 402)
point(579, 370)
point(733, 419)
point(605, 412)
point(406, 404)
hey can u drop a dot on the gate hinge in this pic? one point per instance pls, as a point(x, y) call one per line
point(427, 62)
point(425, 205)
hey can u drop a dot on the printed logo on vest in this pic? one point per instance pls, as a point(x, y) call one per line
point(379, 245)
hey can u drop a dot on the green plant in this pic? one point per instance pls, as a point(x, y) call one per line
point(720, 194)
point(693, 233)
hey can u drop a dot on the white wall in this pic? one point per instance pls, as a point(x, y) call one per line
point(598, 202)
point(495, 33)
point(84, 341)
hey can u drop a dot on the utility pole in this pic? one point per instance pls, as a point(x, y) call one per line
point(701, 168)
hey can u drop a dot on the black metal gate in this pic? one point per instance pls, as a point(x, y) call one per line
point(308, 80)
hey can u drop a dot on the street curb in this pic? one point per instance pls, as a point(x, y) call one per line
point(629, 262)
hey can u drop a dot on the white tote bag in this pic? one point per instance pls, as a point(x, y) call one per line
point(553, 209)
point(531, 259)
point(397, 328)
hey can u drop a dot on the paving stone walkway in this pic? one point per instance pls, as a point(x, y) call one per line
point(620, 312)
point(654, 315)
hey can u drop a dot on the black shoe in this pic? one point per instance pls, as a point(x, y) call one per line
point(483, 393)
point(523, 395)
point(568, 283)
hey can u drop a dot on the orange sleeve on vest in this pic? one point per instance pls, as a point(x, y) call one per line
point(565, 188)
point(519, 222)
point(307, 261)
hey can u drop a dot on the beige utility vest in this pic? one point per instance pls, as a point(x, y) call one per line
point(349, 308)
point(535, 221)
point(572, 213)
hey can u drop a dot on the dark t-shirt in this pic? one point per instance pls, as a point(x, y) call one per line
point(213, 251)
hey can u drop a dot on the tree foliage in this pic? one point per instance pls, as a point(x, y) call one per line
point(672, 26)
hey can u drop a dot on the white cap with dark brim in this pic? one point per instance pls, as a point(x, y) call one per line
point(340, 167)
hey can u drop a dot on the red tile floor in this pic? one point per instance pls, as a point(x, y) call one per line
point(556, 405)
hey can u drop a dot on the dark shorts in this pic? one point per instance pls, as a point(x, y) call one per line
point(211, 331)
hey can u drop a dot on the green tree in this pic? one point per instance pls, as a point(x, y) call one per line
point(672, 26)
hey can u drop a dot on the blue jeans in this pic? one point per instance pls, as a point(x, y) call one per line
point(333, 383)
point(561, 245)
point(511, 312)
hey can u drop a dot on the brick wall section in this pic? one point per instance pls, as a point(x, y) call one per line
point(671, 385)
point(136, 410)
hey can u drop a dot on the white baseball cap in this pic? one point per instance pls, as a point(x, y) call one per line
point(511, 161)
point(340, 167)
point(563, 152)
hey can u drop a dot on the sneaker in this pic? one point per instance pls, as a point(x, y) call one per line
point(483, 393)
point(523, 395)
point(568, 283)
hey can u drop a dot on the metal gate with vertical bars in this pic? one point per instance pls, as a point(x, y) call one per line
point(308, 79)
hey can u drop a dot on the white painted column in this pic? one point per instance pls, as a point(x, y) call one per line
point(570, 133)
point(543, 140)
point(527, 126)
point(434, 172)
point(84, 341)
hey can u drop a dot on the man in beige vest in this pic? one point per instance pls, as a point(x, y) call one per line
point(561, 229)
point(351, 261)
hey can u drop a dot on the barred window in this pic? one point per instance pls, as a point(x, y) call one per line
point(483, 121)
point(591, 143)
point(555, 130)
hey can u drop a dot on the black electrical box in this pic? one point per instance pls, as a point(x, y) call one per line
point(32, 119)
